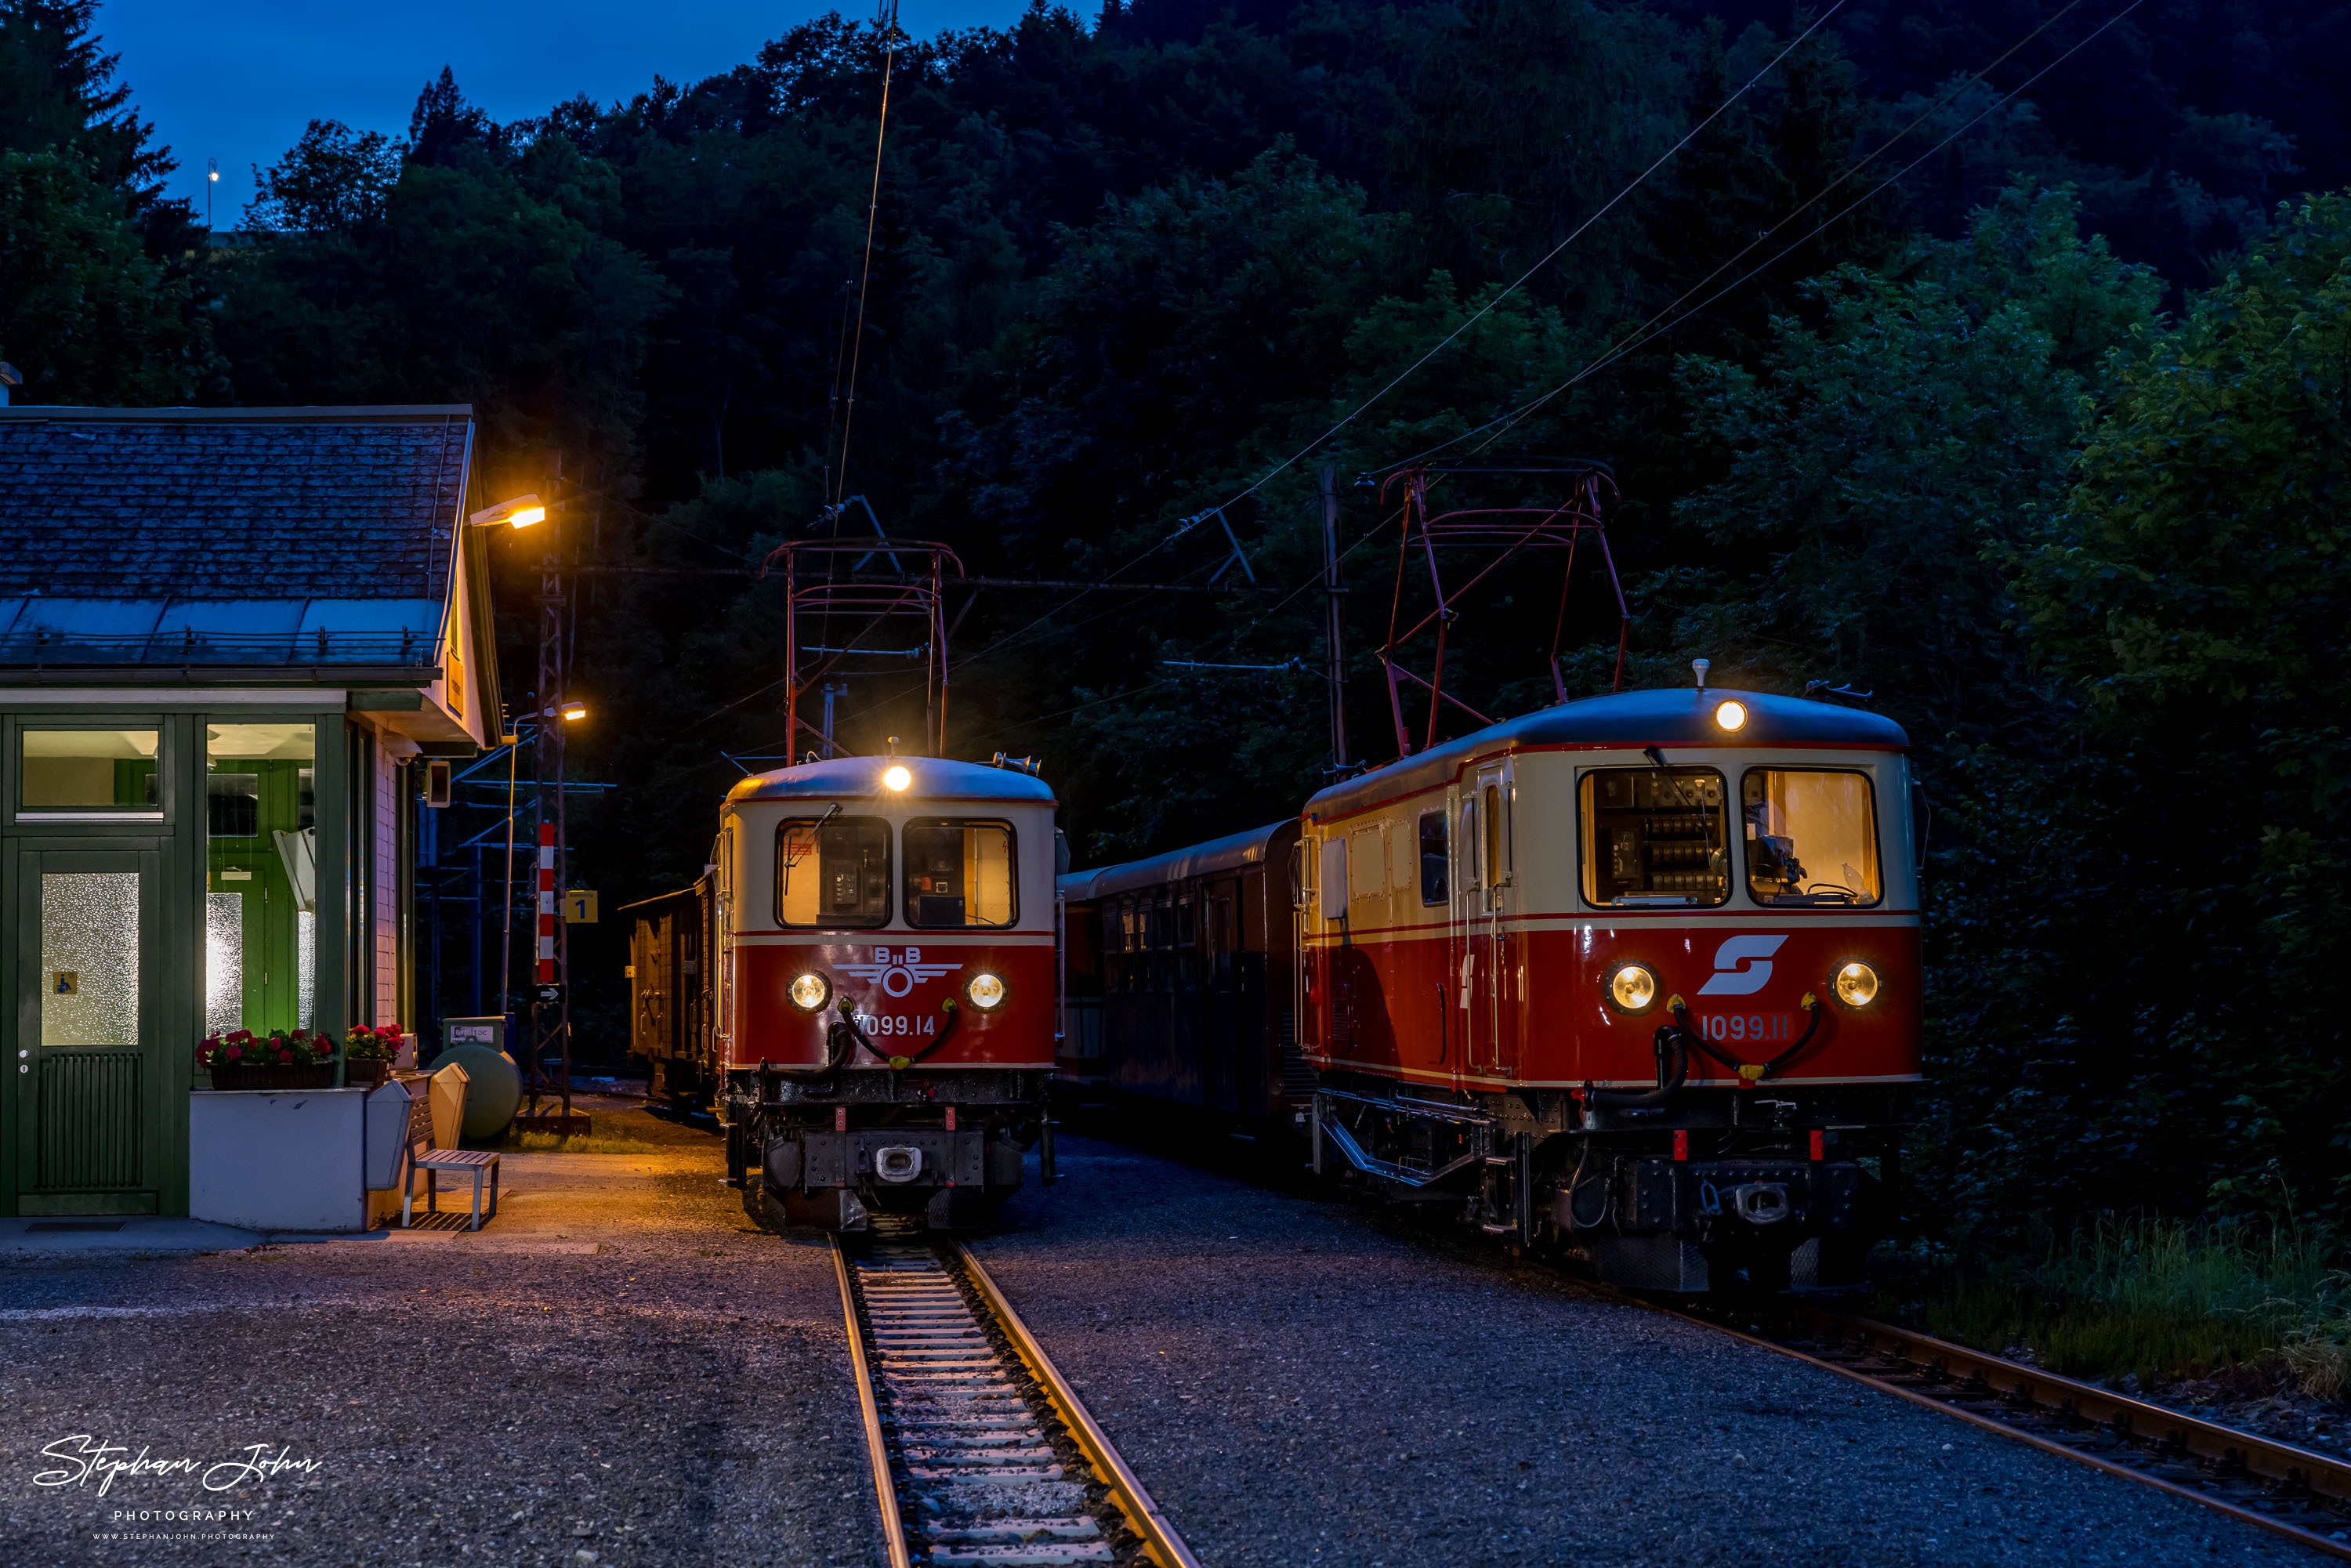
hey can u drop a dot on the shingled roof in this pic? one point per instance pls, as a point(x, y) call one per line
point(230, 504)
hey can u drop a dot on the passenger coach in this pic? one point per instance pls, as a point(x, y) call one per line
point(1181, 978)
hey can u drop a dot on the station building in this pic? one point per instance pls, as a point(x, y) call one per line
point(226, 639)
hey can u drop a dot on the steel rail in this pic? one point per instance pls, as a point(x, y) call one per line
point(877, 1448)
point(970, 1432)
point(1161, 1542)
point(2210, 1447)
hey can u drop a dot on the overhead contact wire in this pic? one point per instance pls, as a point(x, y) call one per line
point(1500, 423)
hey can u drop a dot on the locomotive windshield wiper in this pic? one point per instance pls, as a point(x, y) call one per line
point(830, 813)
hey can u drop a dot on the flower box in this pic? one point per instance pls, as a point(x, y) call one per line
point(241, 1059)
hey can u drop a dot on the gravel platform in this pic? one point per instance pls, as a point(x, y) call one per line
point(1301, 1379)
point(617, 1370)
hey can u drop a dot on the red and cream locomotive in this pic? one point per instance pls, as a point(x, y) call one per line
point(883, 1027)
point(1638, 975)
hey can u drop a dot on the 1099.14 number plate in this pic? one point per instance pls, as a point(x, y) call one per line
point(898, 1026)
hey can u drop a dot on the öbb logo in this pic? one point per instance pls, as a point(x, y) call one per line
point(1743, 966)
point(900, 970)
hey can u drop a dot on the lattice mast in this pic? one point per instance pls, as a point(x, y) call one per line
point(917, 591)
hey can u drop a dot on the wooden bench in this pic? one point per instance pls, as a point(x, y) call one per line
point(481, 1163)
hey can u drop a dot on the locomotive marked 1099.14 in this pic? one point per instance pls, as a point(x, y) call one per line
point(879, 1028)
point(1634, 977)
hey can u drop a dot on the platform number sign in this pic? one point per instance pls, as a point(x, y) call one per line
point(580, 906)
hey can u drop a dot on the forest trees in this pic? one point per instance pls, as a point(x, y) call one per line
point(97, 304)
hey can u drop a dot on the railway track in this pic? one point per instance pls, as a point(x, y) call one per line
point(2301, 1495)
point(981, 1453)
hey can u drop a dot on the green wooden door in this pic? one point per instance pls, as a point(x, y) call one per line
point(91, 1072)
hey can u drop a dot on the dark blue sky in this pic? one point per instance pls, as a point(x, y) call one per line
point(237, 79)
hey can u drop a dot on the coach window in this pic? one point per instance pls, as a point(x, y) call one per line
point(1812, 836)
point(958, 874)
point(1655, 836)
point(1432, 857)
point(833, 873)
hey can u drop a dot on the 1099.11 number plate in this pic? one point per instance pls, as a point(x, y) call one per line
point(1761, 1028)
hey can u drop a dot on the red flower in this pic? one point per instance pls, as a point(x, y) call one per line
point(285, 1057)
point(233, 1051)
point(242, 1035)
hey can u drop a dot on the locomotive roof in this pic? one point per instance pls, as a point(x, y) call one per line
point(1667, 718)
point(1228, 853)
point(935, 779)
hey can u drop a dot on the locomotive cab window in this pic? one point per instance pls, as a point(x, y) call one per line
point(834, 873)
point(1655, 836)
point(958, 874)
point(1812, 837)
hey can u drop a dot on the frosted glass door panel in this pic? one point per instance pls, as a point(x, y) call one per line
point(305, 967)
point(89, 958)
point(223, 962)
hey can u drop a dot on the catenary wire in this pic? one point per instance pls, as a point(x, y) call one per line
point(1650, 329)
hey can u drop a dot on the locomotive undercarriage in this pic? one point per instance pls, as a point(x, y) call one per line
point(1771, 1189)
point(947, 1144)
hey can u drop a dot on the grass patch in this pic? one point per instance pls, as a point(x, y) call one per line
point(2154, 1300)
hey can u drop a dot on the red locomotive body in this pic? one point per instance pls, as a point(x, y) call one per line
point(1638, 973)
point(883, 1032)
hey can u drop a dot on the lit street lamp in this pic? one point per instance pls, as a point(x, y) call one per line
point(520, 513)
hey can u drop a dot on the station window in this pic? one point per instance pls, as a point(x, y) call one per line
point(959, 873)
point(1433, 862)
point(79, 774)
point(1812, 837)
point(1655, 835)
point(834, 873)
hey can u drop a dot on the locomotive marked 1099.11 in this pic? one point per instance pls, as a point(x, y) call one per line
point(1635, 977)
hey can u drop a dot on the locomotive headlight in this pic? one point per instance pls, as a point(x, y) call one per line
point(1730, 715)
point(985, 991)
point(811, 991)
point(1856, 985)
point(1632, 988)
point(896, 779)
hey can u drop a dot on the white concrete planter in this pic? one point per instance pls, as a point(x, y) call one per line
point(289, 1159)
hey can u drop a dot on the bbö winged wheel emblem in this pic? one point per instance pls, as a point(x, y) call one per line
point(1742, 965)
point(901, 969)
